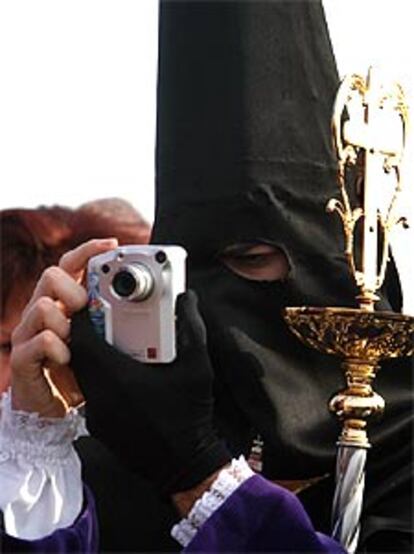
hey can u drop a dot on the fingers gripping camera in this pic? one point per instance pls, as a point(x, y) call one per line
point(132, 292)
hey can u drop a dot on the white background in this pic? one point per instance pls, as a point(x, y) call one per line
point(77, 95)
point(77, 101)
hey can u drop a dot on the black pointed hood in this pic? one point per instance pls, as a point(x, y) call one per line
point(245, 95)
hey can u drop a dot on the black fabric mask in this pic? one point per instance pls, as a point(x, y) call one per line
point(245, 96)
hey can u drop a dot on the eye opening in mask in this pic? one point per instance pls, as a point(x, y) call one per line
point(256, 261)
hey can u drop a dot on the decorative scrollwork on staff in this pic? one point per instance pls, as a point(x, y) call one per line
point(360, 107)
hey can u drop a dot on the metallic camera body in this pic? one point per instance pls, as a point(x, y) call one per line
point(132, 293)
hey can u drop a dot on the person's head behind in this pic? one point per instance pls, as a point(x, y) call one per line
point(34, 239)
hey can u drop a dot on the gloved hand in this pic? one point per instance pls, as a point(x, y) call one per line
point(156, 417)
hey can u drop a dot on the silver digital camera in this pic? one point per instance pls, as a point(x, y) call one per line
point(132, 292)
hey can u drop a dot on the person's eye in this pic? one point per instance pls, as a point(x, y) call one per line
point(250, 260)
point(259, 262)
point(5, 348)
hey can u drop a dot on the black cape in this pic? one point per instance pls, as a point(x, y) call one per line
point(244, 154)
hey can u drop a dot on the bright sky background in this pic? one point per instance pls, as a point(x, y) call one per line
point(77, 94)
point(77, 101)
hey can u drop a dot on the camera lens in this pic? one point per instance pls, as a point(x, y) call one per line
point(124, 283)
point(133, 282)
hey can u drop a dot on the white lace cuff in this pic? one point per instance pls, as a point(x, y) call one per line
point(40, 471)
point(228, 480)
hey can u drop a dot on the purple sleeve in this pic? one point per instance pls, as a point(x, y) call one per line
point(80, 537)
point(261, 517)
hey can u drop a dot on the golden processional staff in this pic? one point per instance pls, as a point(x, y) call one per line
point(369, 126)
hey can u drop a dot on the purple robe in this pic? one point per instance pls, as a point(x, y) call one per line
point(257, 517)
point(261, 517)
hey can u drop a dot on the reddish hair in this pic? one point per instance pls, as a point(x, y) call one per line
point(33, 239)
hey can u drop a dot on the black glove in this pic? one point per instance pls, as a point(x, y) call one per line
point(157, 418)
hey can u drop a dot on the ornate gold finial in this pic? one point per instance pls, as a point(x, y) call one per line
point(369, 126)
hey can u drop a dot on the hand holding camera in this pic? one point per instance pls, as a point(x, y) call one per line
point(40, 340)
point(157, 418)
